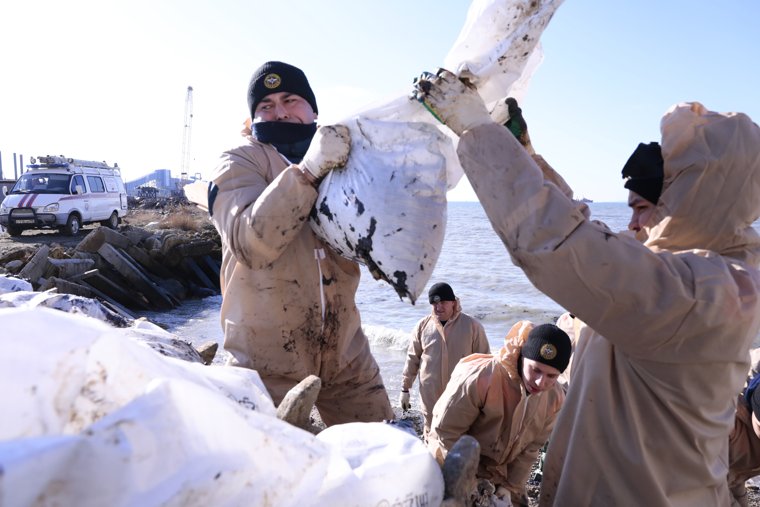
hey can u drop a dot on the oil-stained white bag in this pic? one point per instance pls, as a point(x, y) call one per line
point(387, 207)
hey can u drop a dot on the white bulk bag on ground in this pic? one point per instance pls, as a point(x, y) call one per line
point(92, 417)
point(177, 444)
point(384, 465)
point(13, 284)
point(66, 371)
point(496, 50)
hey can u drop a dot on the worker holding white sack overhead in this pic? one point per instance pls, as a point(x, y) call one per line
point(288, 307)
point(668, 322)
point(438, 342)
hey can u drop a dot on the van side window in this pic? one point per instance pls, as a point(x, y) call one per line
point(111, 184)
point(96, 184)
point(77, 181)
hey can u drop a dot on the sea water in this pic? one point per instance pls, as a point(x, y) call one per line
point(473, 261)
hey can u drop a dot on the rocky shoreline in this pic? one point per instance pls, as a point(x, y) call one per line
point(159, 256)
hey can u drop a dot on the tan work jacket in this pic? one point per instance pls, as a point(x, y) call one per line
point(744, 446)
point(652, 392)
point(435, 350)
point(288, 307)
point(486, 399)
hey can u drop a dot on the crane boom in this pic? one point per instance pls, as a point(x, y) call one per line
point(185, 165)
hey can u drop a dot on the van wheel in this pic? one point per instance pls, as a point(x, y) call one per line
point(73, 224)
point(112, 222)
point(13, 230)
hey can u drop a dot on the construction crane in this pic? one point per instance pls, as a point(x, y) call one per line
point(185, 166)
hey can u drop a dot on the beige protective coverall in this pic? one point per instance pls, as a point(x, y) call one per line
point(744, 451)
point(486, 399)
point(435, 350)
point(288, 307)
point(653, 387)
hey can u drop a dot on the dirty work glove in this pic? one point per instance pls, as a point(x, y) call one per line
point(403, 400)
point(516, 123)
point(451, 101)
point(328, 150)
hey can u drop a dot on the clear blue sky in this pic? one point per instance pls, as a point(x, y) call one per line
point(107, 80)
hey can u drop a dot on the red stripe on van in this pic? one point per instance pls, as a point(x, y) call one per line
point(99, 195)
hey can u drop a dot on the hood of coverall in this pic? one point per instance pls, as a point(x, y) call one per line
point(509, 354)
point(711, 183)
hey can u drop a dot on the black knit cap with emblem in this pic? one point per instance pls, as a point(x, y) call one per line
point(549, 345)
point(275, 77)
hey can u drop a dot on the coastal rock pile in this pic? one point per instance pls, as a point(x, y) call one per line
point(133, 269)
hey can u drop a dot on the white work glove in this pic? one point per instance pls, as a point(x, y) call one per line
point(328, 150)
point(403, 400)
point(451, 101)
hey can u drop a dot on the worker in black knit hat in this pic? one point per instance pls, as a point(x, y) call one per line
point(744, 440)
point(439, 340)
point(288, 307)
point(508, 402)
point(283, 108)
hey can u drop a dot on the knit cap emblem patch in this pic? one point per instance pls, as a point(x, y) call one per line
point(272, 81)
point(548, 351)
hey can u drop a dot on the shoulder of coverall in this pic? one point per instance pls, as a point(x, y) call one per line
point(513, 342)
point(251, 152)
point(711, 182)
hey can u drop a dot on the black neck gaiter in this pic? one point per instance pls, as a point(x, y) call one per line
point(291, 139)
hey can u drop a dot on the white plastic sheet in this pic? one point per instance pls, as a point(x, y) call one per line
point(12, 284)
point(382, 465)
point(92, 417)
point(68, 370)
point(497, 50)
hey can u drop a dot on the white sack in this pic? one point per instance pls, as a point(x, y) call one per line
point(60, 373)
point(13, 284)
point(178, 444)
point(19, 297)
point(383, 465)
point(92, 418)
point(388, 210)
point(496, 50)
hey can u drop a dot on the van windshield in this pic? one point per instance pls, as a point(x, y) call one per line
point(42, 183)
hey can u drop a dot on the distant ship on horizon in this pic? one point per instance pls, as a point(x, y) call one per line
point(584, 199)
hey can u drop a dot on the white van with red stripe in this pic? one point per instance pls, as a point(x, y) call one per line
point(64, 193)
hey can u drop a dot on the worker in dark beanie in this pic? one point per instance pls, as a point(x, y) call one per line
point(663, 327)
point(262, 194)
point(441, 292)
point(507, 401)
point(274, 121)
point(549, 345)
point(439, 340)
point(644, 172)
point(744, 441)
point(273, 77)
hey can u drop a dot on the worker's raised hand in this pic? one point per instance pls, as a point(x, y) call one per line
point(328, 150)
point(451, 101)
